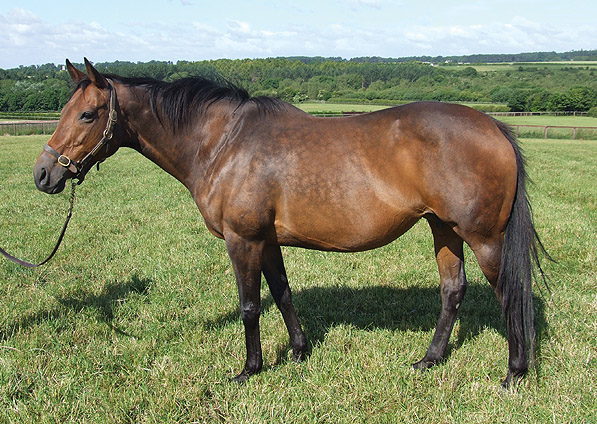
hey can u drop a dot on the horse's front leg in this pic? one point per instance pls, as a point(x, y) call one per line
point(275, 275)
point(246, 257)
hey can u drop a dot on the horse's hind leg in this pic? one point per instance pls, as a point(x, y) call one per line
point(275, 274)
point(489, 253)
point(450, 261)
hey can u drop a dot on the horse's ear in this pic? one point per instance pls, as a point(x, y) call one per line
point(96, 78)
point(76, 75)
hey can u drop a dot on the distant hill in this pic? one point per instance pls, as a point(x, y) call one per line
point(575, 55)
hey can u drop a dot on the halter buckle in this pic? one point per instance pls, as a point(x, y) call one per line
point(64, 161)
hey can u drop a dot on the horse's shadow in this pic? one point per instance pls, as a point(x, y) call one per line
point(103, 304)
point(322, 308)
point(397, 309)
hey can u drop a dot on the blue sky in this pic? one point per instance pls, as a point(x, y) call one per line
point(35, 32)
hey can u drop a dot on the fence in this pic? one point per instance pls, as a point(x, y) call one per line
point(555, 131)
point(523, 131)
point(566, 113)
point(27, 127)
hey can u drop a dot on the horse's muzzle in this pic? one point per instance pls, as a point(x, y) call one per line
point(48, 177)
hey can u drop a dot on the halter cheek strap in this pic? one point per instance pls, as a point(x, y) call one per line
point(79, 169)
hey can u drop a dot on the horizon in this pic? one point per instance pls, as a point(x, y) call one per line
point(402, 59)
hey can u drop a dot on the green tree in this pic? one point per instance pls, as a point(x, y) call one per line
point(518, 100)
point(581, 98)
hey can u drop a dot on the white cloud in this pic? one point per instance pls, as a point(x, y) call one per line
point(376, 4)
point(238, 26)
point(518, 35)
point(28, 39)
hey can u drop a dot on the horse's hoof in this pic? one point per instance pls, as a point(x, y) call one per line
point(512, 379)
point(246, 373)
point(298, 356)
point(241, 378)
point(423, 364)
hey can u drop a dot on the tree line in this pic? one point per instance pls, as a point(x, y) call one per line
point(523, 87)
point(576, 55)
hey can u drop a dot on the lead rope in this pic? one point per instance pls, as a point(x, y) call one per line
point(68, 216)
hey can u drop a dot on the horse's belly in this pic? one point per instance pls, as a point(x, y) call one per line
point(342, 232)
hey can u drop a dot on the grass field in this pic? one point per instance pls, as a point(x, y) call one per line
point(567, 121)
point(338, 107)
point(492, 67)
point(554, 133)
point(136, 319)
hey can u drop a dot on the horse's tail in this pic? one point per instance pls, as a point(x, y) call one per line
point(520, 259)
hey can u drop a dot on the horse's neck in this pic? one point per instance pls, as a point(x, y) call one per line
point(176, 152)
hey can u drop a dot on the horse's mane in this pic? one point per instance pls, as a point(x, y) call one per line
point(177, 103)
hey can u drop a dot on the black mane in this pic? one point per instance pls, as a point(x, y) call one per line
point(177, 103)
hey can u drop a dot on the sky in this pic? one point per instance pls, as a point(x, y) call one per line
point(35, 32)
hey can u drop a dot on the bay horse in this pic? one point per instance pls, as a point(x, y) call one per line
point(264, 174)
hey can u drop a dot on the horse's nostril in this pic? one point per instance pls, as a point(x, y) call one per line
point(43, 174)
point(41, 177)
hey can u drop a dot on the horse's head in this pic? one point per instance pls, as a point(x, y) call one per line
point(84, 133)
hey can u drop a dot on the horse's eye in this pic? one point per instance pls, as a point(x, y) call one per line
point(87, 117)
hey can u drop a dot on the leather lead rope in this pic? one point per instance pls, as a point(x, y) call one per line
point(68, 216)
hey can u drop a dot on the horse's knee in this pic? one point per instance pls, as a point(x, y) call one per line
point(249, 313)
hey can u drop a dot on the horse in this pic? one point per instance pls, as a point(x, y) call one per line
point(265, 174)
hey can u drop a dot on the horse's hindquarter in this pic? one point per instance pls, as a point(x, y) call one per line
point(350, 184)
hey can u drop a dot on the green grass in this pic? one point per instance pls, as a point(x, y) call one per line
point(136, 318)
point(554, 133)
point(567, 121)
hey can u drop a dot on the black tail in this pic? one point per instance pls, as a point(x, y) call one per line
point(520, 259)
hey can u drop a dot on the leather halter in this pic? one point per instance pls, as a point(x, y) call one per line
point(79, 169)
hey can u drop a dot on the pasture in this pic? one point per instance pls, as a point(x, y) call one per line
point(566, 121)
point(136, 319)
point(312, 107)
point(585, 126)
point(515, 66)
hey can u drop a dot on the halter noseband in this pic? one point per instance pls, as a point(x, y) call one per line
point(79, 169)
